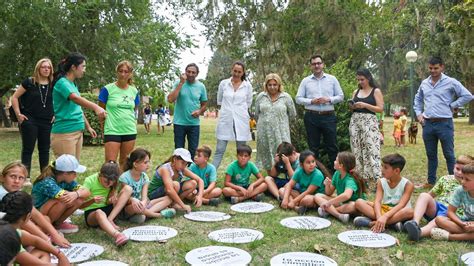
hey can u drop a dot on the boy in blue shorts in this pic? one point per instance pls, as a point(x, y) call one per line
point(207, 172)
point(454, 227)
point(237, 178)
point(286, 163)
point(435, 203)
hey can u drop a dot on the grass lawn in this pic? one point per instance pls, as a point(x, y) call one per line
point(277, 239)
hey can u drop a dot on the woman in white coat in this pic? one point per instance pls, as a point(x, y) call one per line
point(235, 97)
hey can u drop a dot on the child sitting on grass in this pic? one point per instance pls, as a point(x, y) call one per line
point(298, 194)
point(237, 178)
point(207, 172)
point(392, 198)
point(57, 194)
point(169, 181)
point(286, 162)
point(454, 227)
point(104, 200)
point(349, 187)
point(435, 203)
point(135, 182)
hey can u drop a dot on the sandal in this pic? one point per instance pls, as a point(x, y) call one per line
point(120, 239)
point(439, 234)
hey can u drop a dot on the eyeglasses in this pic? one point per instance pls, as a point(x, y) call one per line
point(273, 85)
point(45, 67)
point(317, 63)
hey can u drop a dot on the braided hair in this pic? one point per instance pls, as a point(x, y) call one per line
point(15, 206)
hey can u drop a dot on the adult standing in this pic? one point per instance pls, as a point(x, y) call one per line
point(70, 121)
point(147, 118)
point(364, 126)
point(235, 98)
point(191, 99)
point(160, 119)
point(319, 93)
point(437, 98)
point(274, 109)
point(120, 99)
point(35, 113)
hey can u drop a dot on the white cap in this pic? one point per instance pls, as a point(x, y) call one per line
point(184, 154)
point(68, 163)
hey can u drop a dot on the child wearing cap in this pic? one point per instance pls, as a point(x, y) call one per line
point(56, 193)
point(135, 184)
point(168, 181)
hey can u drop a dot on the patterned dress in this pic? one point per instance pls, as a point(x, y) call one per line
point(272, 125)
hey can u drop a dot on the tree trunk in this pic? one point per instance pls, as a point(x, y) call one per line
point(4, 117)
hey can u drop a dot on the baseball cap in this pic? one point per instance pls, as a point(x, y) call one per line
point(68, 163)
point(184, 154)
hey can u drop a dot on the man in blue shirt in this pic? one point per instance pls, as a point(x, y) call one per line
point(434, 104)
point(319, 93)
point(191, 99)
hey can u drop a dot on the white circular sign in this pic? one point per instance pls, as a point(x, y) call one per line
point(252, 207)
point(207, 216)
point(305, 222)
point(103, 263)
point(218, 255)
point(367, 239)
point(236, 235)
point(301, 258)
point(79, 252)
point(468, 258)
point(150, 233)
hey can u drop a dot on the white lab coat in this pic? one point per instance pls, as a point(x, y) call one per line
point(234, 111)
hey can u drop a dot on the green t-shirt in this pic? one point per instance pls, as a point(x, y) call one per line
point(97, 189)
point(304, 180)
point(189, 100)
point(241, 176)
point(207, 174)
point(120, 106)
point(68, 115)
point(348, 182)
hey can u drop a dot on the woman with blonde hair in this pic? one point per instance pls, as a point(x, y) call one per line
point(33, 105)
point(273, 110)
point(120, 99)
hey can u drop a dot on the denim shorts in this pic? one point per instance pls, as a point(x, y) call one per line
point(280, 182)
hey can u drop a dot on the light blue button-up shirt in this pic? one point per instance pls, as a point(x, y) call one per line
point(312, 87)
point(440, 99)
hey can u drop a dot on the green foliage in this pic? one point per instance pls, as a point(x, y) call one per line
point(93, 121)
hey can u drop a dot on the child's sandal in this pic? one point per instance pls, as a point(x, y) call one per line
point(120, 239)
point(439, 234)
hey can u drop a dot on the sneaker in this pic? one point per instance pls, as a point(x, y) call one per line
point(413, 230)
point(78, 212)
point(398, 227)
point(168, 213)
point(362, 221)
point(234, 200)
point(424, 186)
point(27, 183)
point(259, 197)
point(301, 210)
point(344, 218)
point(137, 218)
point(67, 228)
point(439, 234)
point(322, 213)
point(214, 201)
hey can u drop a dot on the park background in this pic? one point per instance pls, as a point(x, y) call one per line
point(270, 36)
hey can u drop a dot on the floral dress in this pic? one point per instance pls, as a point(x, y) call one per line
point(272, 125)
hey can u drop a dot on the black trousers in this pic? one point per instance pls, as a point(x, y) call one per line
point(32, 130)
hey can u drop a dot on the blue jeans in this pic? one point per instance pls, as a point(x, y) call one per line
point(220, 150)
point(444, 132)
point(189, 132)
point(322, 125)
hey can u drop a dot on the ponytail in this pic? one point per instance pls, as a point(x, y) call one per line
point(49, 170)
point(137, 155)
point(15, 206)
point(348, 161)
point(64, 66)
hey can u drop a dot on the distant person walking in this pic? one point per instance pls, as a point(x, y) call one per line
point(147, 118)
point(319, 92)
point(234, 97)
point(437, 98)
point(69, 123)
point(120, 99)
point(191, 99)
point(161, 119)
point(274, 109)
point(33, 105)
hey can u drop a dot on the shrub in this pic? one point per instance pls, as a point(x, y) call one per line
point(346, 78)
point(93, 121)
